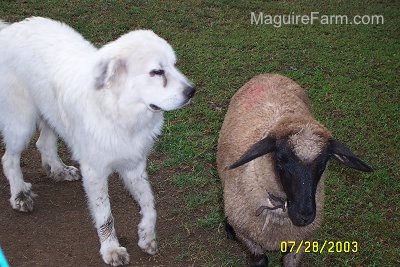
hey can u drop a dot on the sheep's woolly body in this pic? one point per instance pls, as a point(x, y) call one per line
point(267, 105)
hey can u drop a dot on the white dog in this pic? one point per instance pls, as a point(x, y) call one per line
point(107, 104)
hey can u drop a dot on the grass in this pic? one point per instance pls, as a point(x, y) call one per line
point(351, 73)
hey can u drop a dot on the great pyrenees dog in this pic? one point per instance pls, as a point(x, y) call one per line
point(107, 105)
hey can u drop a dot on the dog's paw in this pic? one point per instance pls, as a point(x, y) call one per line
point(150, 247)
point(147, 241)
point(115, 256)
point(24, 200)
point(68, 173)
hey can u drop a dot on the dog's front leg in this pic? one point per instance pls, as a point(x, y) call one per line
point(51, 162)
point(136, 181)
point(96, 188)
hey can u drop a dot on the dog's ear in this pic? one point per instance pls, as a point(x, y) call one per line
point(109, 71)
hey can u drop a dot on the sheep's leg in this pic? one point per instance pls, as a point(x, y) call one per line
point(259, 261)
point(230, 232)
point(292, 259)
point(257, 256)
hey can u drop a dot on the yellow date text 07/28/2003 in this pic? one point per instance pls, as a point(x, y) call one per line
point(319, 247)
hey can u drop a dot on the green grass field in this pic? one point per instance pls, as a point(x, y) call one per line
point(351, 73)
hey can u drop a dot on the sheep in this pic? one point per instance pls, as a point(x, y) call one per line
point(279, 194)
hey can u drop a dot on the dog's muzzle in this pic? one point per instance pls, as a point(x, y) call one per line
point(189, 92)
point(154, 107)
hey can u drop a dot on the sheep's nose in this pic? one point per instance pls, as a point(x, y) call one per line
point(306, 218)
point(301, 218)
point(189, 91)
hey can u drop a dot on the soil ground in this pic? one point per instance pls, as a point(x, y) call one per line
point(59, 231)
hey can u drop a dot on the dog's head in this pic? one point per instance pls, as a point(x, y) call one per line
point(140, 69)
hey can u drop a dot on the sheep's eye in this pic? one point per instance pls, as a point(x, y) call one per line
point(156, 72)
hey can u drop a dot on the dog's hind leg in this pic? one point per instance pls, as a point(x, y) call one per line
point(136, 181)
point(51, 162)
point(16, 137)
point(96, 188)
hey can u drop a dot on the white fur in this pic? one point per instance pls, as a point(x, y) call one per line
point(3, 24)
point(99, 101)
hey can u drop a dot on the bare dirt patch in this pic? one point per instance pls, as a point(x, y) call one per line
point(59, 231)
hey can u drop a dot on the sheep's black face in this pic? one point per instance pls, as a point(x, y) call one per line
point(300, 159)
point(299, 179)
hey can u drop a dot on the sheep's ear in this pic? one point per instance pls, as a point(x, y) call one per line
point(108, 72)
point(259, 149)
point(342, 154)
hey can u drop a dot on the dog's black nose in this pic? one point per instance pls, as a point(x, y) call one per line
point(189, 91)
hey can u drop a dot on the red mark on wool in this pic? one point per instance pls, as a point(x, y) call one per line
point(253, 93)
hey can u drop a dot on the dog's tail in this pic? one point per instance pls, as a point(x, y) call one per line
point(3, 24)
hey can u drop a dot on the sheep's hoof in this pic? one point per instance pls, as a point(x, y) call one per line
point(230, 232)
point(259, 261)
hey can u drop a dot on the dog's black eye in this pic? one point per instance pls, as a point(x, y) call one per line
point(156, 72)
